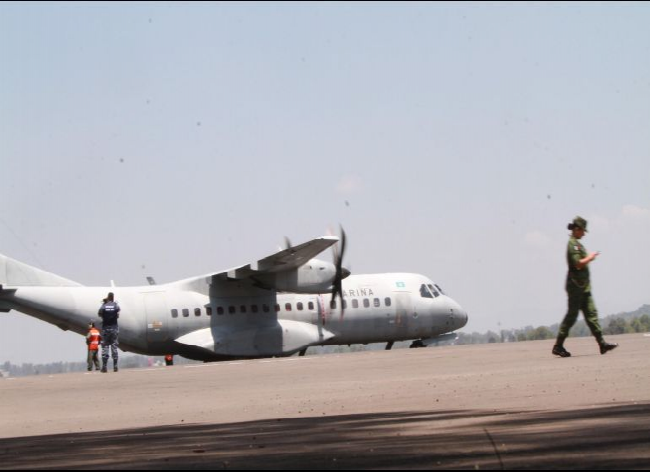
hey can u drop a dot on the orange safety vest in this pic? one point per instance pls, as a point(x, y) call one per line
point(93, 339)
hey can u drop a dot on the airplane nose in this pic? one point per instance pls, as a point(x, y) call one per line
point(460, 315)
point(462, 319)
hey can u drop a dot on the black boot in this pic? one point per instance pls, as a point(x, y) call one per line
point(605, 347)
point(559, 350)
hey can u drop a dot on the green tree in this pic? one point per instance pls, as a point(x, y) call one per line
point(645, 323)
point(541, 333)
point(616, 326)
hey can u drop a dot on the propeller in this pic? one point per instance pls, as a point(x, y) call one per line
point(341, 272)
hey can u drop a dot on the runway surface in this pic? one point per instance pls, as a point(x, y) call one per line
point(499, 406)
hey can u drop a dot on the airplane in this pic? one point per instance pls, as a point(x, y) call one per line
point(276, 307)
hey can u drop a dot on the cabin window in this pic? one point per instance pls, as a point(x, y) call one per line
point(197, 312)
point(300, 306)
point(255, 308)
point(377, 303)
point(232, 310)
point(186, 313)
point(277, 307)
point(220, 310)
point(355, 303)
point(174, 313)
point(242, 308)
point(387, 301)
point(366, 303)
point(311, 305)
point(266, 308)
point(287, 306)
point(208, 310)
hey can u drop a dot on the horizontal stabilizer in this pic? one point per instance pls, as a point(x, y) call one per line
point(6, 290)
point(281, 339)
point(5, 293)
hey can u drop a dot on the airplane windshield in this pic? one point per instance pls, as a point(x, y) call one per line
point(439, 289)
point(428, 291)
point(434, 291)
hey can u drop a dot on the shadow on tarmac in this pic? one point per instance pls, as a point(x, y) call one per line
point(613, 437)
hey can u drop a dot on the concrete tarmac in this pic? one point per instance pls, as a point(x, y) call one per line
point(499, 406)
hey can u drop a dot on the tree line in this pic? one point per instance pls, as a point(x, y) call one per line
point(623, 323)
point(126, 362)
point(633, 322)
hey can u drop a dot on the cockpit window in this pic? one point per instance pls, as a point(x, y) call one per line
point(441, 290)
point(424, 292)
point(435, 292)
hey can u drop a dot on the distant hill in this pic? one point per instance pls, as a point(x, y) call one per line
point(644, 310)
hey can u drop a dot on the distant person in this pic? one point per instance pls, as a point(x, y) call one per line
point(578, 287)
point(93, 338)
point(169, 360)
point(109, 313)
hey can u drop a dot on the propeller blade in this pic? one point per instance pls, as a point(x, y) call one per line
point(341, 273)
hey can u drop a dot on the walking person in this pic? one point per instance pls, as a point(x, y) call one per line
point(109, 313)
point(578, 288)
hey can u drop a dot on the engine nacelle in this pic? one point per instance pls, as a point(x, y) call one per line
point(315, 276)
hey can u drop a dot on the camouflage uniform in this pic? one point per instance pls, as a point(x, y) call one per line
point(578, 287)
point(109, 313)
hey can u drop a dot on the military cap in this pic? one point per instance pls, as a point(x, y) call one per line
point(578, 222)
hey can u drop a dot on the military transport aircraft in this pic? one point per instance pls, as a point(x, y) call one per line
point(276, 307)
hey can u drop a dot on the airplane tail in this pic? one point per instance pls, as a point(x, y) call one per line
point(18, 274)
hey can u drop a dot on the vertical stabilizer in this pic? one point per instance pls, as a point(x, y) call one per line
point(18, 274)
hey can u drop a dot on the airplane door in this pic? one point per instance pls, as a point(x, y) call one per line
point(157, 317)
point(403, 311)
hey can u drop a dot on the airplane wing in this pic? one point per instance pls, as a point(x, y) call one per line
point(285, 270)
point(285, 260)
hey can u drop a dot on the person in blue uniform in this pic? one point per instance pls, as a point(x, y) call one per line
point(109, 313)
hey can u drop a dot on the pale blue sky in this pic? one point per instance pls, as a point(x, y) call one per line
point(177, 139)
